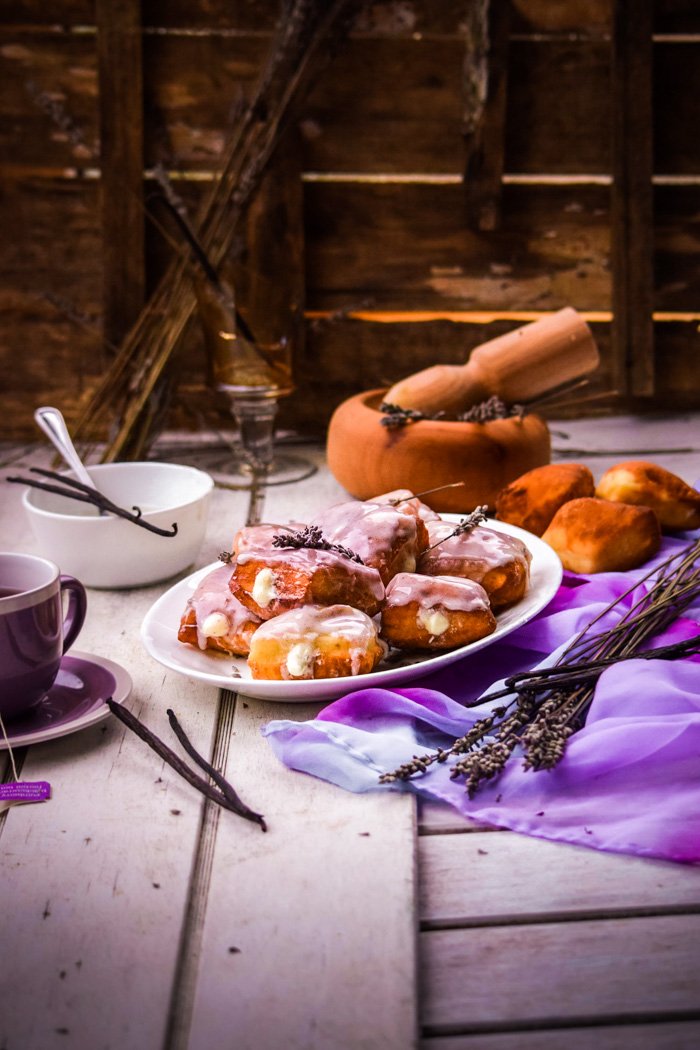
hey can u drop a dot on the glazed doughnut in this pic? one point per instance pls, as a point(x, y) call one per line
point(387, 538)
point(500, 563)
point(316, 642)
point(435, 612)
point(676, 504)
point(214, 619)
point(532, 500)
point(593, 535)
point(269, 582)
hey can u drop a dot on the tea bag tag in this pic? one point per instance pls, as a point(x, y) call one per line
point(24, 791)
point(19, 791)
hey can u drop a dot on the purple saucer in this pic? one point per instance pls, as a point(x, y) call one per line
point(76, 700)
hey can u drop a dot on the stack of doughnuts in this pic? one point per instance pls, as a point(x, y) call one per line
point(331, 598)
point(613, 526)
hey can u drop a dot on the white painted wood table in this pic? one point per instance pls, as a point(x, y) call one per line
point(135, 915)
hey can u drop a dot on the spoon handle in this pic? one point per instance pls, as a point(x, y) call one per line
point(54, 426)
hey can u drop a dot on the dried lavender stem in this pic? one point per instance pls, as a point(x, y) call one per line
point(543, 725)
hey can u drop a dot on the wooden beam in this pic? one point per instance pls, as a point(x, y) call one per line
point(121, 155)
point(632, 228)
point(486, 59)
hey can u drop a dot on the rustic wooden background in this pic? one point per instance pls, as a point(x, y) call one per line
point(582, 189)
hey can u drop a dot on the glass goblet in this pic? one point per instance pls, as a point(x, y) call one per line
point(253, 376)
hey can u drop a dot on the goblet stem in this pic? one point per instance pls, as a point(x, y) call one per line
point(256, 422)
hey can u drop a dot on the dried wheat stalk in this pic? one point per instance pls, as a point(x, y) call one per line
point(307, 34)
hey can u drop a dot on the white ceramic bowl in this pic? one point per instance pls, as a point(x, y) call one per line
point(107, 551)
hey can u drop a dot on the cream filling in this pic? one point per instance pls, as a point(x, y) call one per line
point(215, 625)
point(434, 621)
point(264, 590)
point(300, 660)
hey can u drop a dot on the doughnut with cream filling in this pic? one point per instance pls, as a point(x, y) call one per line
point(214, 619)
point(316, 642)
point(269, 582)
point(435, 612)
point(499, 562)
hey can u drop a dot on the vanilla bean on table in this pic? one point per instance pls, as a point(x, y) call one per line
point(227, 789)
point(224, 795)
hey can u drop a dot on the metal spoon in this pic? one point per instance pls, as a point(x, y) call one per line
point(54, 426)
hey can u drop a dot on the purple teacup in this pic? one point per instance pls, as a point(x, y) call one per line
point(33, 631)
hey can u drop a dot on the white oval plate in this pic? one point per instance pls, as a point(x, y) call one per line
point(161, 623)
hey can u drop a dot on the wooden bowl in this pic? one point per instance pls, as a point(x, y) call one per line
point(369, 459)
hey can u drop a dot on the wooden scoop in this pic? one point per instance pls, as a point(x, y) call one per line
point(519, 366)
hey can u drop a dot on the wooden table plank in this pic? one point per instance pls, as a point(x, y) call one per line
point(98, 877)
point(674, 1036)
point(320, 912)
point(514, 878)
point(129, 895)
point(342, 866)
point(507, 976)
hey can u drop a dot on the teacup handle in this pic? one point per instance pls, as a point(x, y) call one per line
point(77, 608)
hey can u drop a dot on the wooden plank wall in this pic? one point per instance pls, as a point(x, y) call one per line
point(404, 266)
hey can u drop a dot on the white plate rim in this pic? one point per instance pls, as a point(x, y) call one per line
point(159, 636)
point(122, 689)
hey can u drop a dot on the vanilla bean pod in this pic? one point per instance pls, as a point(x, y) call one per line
point(72, 489)
point(227, 799)
point(221, 782)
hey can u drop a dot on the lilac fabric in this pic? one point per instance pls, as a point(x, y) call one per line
point(629, 781)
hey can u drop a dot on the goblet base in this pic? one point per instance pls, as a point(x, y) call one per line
point(285, 469)
point(224, 461)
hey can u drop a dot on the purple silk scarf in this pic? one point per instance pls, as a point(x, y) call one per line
point(629, 781)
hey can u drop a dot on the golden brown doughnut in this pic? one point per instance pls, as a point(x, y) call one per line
point(593, 535)
point(500, 563)
point(214, 619)
point(532, 500)
point(435, 612)
point(269, 582)
point(316, 642)
point(676, 504)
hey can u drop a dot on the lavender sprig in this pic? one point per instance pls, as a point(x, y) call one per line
point(311, 538)
point(477, 517)
point(542, 709)
point(396, 416)
point(492, 408)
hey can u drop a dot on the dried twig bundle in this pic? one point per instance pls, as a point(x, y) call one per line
point(308, 31)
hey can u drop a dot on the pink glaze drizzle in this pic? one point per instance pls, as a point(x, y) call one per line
point(259, 537)
point(371, 530)
point(308, 560)
point(429, 592)
point(409, 504)
point(309, 622)
point(212, 595)
point(472, 553)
